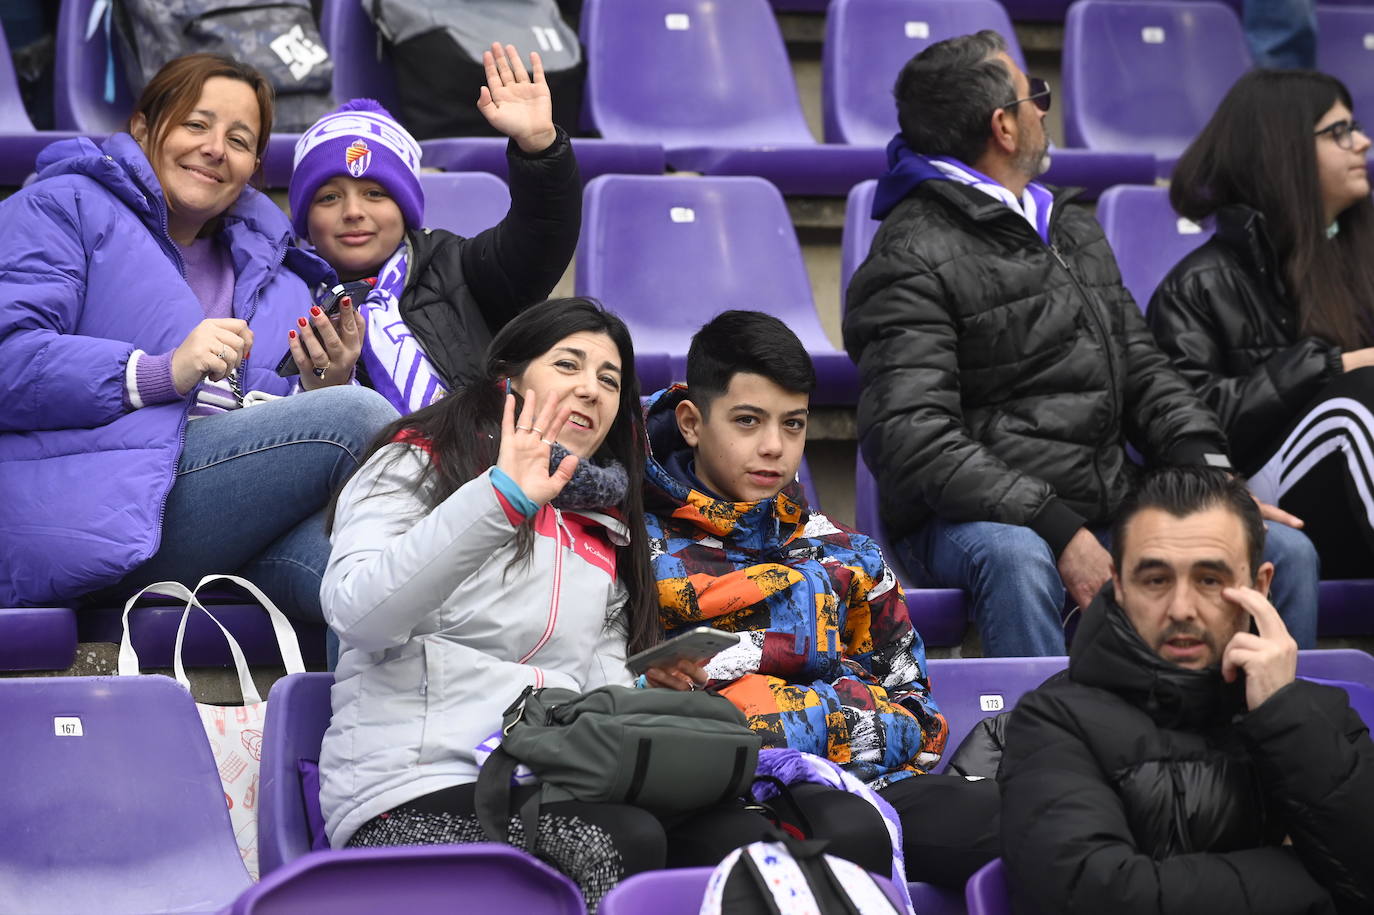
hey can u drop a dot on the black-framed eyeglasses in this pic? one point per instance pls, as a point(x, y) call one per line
point(1039, 94)
point(1343, 132)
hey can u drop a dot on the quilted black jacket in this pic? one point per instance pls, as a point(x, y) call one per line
point(1003, 377)
point(1224, 317)
point(460, 291)
point(1136, 786)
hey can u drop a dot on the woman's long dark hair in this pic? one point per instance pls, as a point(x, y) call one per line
point(464, 434)
point(1259, 150)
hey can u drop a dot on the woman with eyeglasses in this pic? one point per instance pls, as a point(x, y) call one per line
point(1273, 318)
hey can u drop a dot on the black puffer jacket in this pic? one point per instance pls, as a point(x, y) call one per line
point(1224, 317)
point(1136, 786)
point(1002, 377)
point(461, 291)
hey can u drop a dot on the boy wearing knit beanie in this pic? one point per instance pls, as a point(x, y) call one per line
point(437, 298)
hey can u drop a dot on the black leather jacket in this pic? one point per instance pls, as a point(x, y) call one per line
point(460, 291)
point(1003, 377)
point(1224, 317)
point(1136, 786)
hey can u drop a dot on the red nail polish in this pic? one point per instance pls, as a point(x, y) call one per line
point(347, 302)
point(315, 310)
point(292, 335)
point(300, 321)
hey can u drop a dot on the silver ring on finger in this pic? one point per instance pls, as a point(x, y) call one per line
point(537, 431)
point(524, 428)
point(223, 351)
point(547, 442)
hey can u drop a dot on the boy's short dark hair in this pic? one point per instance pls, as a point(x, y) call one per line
point(745, 341)
point(1183, 491)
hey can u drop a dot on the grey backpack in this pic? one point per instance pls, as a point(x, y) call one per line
point(279, 39)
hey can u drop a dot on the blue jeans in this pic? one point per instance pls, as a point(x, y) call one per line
point(251, 490)
point(1281, 33)
point(1017, 597)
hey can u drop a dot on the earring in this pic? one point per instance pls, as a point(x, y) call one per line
point(507, 384)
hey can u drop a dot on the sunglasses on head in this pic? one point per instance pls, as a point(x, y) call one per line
point(1039, 94)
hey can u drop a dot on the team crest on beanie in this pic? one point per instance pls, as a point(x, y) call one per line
point(357, 158)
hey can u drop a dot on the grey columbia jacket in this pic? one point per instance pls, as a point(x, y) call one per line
point(440, 632)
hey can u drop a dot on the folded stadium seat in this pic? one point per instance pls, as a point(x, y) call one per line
point(987, 892)
point(1146, 235)
point(80, 72)
point(417, 880)
point(362, 69)
point(300, 716)
point(867, 42)
point(668, 252)
point(1346, 608)
point(1345, 49)
point(857, 236)
point(940, 615)
point(464, 203)
point(113, 801)
point(1146, 76)
point(20, 143)
point(711, 82)
point(676, 892)
point(153, 631)
point(37, 638)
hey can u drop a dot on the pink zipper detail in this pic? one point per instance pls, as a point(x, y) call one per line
point(557, 587)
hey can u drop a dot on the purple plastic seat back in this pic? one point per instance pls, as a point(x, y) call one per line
point(37, 638)
point(676, 892)
point(690, 73)
point(1349, 664)
point(800, 6)
point(351, 40)
point(666, 253)
point(1345, 49)
point(300, 715)
point(1146, 235)
point(420, 880)
point(1344, 608)
point(809, 485)
point(14, 118)
point(464, 203)
point(867, 42)
point(153, 633)
point(929, 899)
point(857, 237)
point(986, 891)
point(970, 689)
point(113, 800)
point(1146, 76)
point(79, 72)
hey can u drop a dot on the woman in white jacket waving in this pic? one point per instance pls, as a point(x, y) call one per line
point(493, 541)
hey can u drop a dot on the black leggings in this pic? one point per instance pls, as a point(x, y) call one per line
point(1323, 472)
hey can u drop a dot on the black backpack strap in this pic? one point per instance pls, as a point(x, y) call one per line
point(491, 798)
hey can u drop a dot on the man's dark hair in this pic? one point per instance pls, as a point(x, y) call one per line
point(1183, 491)
point(745, 341)
point(946, 94)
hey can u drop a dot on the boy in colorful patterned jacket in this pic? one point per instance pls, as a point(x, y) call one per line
point(829, 663)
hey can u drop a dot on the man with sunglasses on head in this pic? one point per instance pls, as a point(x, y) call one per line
point(1006, 368)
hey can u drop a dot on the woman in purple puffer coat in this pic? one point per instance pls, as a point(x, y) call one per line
point(146, 296)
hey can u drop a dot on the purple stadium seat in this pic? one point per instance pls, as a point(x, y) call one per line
point(19, 142)
point(113, 800)
point(464, 203)
point(1350, 664)
point(940, 615)
point(970, 689)
point(800, 6)
point(675, 892)
point(1146, 76)
point(987, 892)
point(1346, 608)
point(300, 716)
point(808, 484)
point(668, 252)
point(857, 236)
point(154, 629)
point(1345, 49)
point(37, 638)
point(711, 82)
point(929, 899)
point(419, 880)
point(1146, 235)
point(868, 41)
point(362, 68)
point(594, 157)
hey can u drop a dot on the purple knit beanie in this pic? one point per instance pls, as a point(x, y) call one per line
point(363, 140)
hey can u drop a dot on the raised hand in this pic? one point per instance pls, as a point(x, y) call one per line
point(213, 349)
point(525, 446)
point(327, 356)
point(515, 102)
point(1269, 656)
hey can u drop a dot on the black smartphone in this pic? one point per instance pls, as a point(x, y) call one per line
point(356, 289)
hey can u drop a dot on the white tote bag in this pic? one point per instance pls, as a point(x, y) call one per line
point(235, 731)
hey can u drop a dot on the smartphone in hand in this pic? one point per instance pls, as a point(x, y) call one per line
point(355, 289)
point(699, 644)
